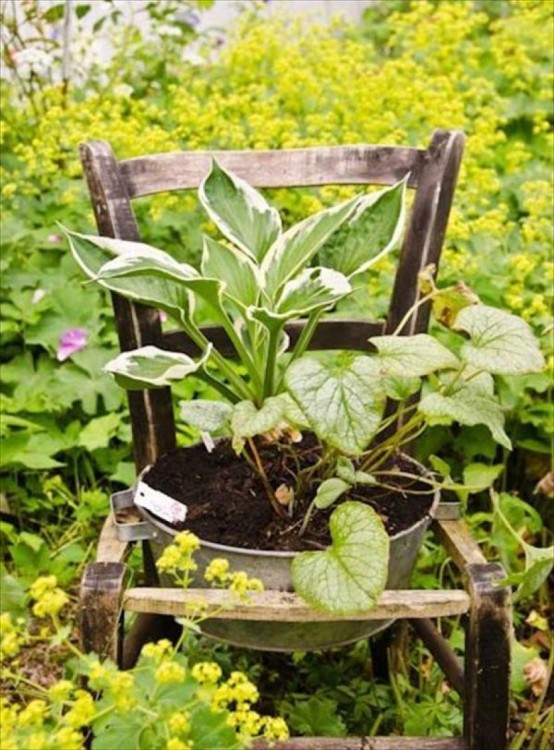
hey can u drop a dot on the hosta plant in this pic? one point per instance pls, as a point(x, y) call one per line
point(258, 279)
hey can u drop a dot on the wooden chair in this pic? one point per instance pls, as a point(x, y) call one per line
point(483, 679)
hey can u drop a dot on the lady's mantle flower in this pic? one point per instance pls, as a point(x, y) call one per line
point(49, 599)
point(206, 671)
point(71, 341)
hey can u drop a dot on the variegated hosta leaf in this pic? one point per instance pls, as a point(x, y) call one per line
point(92, 252)
point(499, 343)
point(152, 263)
point(343, 400)
point(247, 420)
point(351, 574)
point(294, 249)
point(205, 415)
point(411, 356)
point(372, 231)
point(150, 367)
point(241, 276)
point(240, 212)
point(313, 289)
point(468, 406)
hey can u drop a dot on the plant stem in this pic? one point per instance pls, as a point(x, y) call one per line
point(412, 310)
point(271, 363)
point(303, 341)
point(196, 335)
point(218, 385)
point(263, 476)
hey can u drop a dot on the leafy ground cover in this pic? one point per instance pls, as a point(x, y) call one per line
point(409, 67)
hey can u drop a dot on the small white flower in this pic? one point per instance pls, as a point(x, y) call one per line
point(32, 60)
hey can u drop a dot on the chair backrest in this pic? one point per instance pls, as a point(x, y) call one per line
point(113, 184)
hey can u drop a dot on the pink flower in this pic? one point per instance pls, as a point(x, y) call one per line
point(55, 239)
point(71, 341)
point(162, 316)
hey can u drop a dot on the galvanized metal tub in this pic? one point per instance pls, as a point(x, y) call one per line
point(274, 569)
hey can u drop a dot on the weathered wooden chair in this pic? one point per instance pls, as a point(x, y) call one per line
point(483, 679)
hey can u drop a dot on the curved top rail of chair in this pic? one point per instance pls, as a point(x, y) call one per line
point(339, 165)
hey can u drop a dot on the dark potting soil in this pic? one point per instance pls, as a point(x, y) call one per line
point(227, 503)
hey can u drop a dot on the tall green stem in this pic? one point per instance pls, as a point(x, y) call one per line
point(195, 334)
point(271, 363)
point(303, 341)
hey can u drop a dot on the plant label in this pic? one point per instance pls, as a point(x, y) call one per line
point(160, 504)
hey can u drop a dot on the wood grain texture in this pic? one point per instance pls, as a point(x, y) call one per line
point(100, 613)
point(425, 233)
point(110, 548)
point(366, 743)
point(459, 543)
point(487, 659)
point(338, 165)
point(137, 325)
point(288, 607)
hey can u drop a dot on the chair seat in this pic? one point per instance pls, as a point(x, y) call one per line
point(288, 607)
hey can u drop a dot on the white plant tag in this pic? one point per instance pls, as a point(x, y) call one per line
point(160, 504)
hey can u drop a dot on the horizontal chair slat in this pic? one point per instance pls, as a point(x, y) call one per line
point(366, 743)
point(288, 607)
point(330, 334)
point(334, 165)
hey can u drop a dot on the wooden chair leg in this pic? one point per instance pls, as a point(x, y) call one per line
point(148, 627)
point(100, 612)
point(487, 659)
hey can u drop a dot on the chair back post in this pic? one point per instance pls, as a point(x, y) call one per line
point(424, 236)
point(151, 411)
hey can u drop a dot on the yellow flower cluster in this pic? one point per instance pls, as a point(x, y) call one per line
point(217, 573)
point(237, 696)
point(176, 559)
point(49, 598)
point(206, 671)
point(24, 728)
point(12, 636)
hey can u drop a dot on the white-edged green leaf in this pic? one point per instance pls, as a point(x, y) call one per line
point(92, 252)
point(205, 415)
point(153, 263)
point(412, 356)
point(372, 231)
point(294, 249)
point(349, 576)
point(342, 400)
point(247, 420)
point(313, 288)
point(151, 367)
point(469, 407)
point(499, 343)
point(240, 212)
point(329, 491)
point(241, 276)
